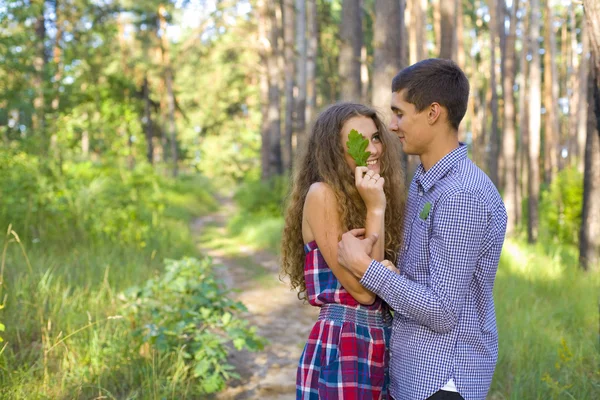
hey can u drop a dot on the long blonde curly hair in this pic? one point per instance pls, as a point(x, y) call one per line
point(322, 160)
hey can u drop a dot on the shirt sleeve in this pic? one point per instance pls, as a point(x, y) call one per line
point(458, 228)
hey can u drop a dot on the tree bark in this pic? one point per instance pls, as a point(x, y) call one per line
point(416, 20)
point(534, 123)
point(264, 55)
point(39, 63)
point(387, 53)
point(168, 77)
point(551, 94)
point(509, 135)
point(448, 29)
point(301, 73)
point(289, 20)
point(274, 113)
point(494, 139)
point(350, 47)
point(589, 241)
point(311, 59)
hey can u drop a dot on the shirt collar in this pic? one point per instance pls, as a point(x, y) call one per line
point(428, 178)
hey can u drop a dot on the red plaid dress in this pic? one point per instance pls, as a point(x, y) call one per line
point(346, 354)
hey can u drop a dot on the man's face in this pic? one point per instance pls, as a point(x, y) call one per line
point(410, 126)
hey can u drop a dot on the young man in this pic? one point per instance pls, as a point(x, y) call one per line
point(444, 341)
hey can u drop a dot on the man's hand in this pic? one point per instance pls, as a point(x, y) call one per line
point(354, 252)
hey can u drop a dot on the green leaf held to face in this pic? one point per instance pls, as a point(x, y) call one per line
point(357, 145)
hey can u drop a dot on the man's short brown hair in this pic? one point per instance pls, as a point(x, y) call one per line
point(435, 80)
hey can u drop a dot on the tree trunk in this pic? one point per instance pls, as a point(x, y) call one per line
point(387, 60)
point(494, 139)
point(437, 25)
point(289, 20)
point(582, 95)
point(416, 20)
point(534, 122)
point(448, 29)
point(301, 73)
point(523, 139)
point(262, 11)
point(350, 48)
point(274, 114)
point(589, 240)
point(311, 60)
point(148, 121)
point(39, 63)
point(509, 135)
point(168, 77)
point(551, 130)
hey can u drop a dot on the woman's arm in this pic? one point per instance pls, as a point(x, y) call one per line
point(321, 214)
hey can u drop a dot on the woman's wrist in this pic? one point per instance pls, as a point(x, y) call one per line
point(376, 211)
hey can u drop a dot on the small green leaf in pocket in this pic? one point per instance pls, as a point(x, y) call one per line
point(425, 211)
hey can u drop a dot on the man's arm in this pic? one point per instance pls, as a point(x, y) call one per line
point(458, 231)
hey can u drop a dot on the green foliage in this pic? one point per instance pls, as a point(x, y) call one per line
point(259, 218)
point(547, 318)
point(186, 310)
point(357, 145)
point(560, 209)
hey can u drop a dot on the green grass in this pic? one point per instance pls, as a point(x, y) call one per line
point(65, 337)
point(548, 327)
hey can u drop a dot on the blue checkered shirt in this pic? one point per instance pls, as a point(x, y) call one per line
point(444, 321)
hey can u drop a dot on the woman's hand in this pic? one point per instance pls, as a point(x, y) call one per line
point(370, 187)
point(389, 265)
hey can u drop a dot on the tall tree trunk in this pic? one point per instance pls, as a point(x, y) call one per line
point(148, 120)
point(494, 139)
point(534, 122)
point(351, 43)
point(289, 20)
point(168, 77)
point(589, 240)
point(437, 25)
point(311, 60)
point(387, 53)
point(416, 20)
point(509, 135)
point(448, 29)
point(274, 114)
point(460, 28)
point(523, 139)
point(582, 95)
point(58, 65)
point(552, 127)
point(262, 11)
point(39, 63)
point(301, 72)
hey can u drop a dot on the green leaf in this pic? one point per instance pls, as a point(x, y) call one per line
point(425, 211)
point(357, 145)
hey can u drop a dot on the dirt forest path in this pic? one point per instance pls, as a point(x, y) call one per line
point(276, 312)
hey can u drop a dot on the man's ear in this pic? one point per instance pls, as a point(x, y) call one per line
point(434, 112)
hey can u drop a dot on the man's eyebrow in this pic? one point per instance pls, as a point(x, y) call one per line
point(394, 109)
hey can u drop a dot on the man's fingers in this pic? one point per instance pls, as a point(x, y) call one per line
point(357, 232)
point(372, 238)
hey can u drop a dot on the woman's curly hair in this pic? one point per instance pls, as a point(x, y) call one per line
point(323, 161)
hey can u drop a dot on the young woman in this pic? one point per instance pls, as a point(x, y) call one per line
point(346, 354)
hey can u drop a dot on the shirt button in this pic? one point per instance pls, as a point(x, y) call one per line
point(420, 193)
point(405, 247)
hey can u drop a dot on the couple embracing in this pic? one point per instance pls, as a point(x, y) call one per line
point(404, 283)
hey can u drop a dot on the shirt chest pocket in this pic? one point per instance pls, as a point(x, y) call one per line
point(417, 260)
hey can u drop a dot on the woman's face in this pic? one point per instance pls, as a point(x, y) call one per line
point(368, 129)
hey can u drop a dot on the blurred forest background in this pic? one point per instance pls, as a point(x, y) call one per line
point(121, 122)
